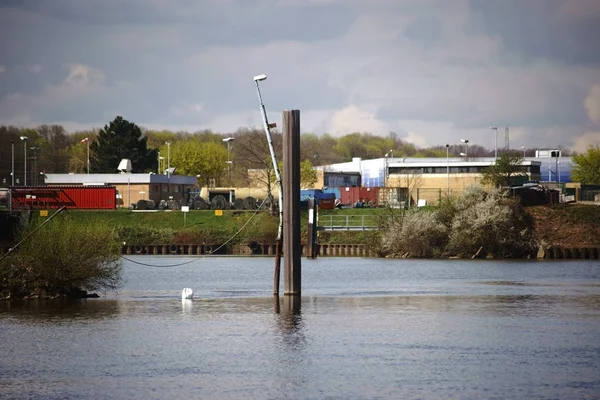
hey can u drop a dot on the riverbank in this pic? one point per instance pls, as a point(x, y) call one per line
point(561, 226)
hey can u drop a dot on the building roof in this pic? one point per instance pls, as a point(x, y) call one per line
point(112, 179)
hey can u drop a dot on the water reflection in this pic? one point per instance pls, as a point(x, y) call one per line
point(290, 321)
point(187, 305)
point(59, 310)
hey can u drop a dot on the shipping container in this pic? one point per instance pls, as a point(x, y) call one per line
point(324, 200)
point(350, 196)
point(75, 197)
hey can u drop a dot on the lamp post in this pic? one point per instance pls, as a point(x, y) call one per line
point(12, 174)
point(228, 141)
point(267, 128)
point(385, 171)
point(24, 139)
point(160, 162)
point(466, 142)
point(495, 129)
point(33, 158)
point(168, 156)
point(279, 240)
point(87, 141)
point(523, 148)
point(447, 170)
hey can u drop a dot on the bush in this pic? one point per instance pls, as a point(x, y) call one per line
point(63, 259)
point(418, 234)
point(492, 222)
point(483, 222)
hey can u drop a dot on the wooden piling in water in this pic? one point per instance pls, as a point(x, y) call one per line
point(291, 203)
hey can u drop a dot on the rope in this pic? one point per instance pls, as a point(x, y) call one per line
point(196, 259)
point(32, 232)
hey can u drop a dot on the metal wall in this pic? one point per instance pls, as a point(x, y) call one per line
point(75, 197)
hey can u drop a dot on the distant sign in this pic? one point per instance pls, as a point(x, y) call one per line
point(185, 208)
point(43, 213)
point(218, 213)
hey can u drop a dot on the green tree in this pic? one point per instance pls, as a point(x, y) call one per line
point(586, 168)
point(308, 176)
point(507, 166)
point(121, 139)
point(195, 157)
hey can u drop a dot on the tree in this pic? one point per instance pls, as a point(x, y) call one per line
point(507, 166)
point(586, 168)
point(308, 176)
point(252, 157)
point(121, 139)
point(195, 157)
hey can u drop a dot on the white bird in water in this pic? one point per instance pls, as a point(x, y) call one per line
point(187, 294)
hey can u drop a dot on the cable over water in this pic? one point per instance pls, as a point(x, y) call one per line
point(213, 251)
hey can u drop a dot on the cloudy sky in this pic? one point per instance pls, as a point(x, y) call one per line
point(433, 71)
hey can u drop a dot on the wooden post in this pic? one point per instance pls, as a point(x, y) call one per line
point(291, 203)
point(311, 240)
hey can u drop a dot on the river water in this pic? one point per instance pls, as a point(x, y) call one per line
point(363, 329)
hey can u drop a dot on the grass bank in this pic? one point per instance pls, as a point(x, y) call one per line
point(560, 225)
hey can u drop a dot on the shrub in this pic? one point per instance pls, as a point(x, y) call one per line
point(493, 223)
point(418, 234)
point(62, 258)
point(481, 221)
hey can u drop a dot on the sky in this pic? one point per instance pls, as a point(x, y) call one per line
point(432, 71)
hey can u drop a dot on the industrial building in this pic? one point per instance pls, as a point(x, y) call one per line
point(132, 187)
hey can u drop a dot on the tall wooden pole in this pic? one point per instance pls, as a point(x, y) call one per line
point(291, 203)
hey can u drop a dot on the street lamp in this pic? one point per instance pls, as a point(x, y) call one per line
point(466, 142)
point(12, 174)
point(495, 129)
point(267, 128)
point(447, 170)
point(168, 155)
point(228, 141)
point(33, 158)
point(24, 139)
point(159, 165)
point(87, 141)
point(523, 148)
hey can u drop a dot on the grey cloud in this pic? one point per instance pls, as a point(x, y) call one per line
point(534, 29)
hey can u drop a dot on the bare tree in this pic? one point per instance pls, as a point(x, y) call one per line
point(252, 158)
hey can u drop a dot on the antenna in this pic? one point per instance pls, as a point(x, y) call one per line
point(506, 139)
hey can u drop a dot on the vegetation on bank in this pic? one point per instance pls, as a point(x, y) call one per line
point(479, 223)
point(62, 259)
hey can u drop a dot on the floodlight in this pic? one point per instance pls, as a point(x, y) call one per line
point(464, 140)
point(24, 138)
point(493, 127)
point(260, 77)
point(228, 139)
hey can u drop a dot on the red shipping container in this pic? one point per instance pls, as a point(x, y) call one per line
point(75, 197)
point(327, 204)
point(351, 195)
